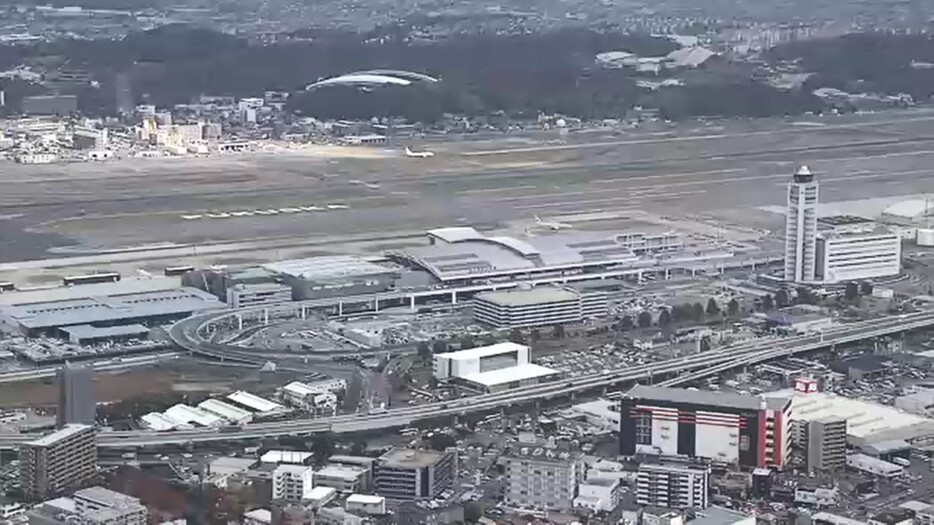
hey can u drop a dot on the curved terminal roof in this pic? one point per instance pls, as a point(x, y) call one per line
point(462, 252)
point(373, 77)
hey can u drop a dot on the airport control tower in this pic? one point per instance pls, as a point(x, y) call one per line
point(801, 227)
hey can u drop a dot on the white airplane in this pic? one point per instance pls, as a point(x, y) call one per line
point(191, 217)
point(290, 210)
point(241, 213)
point(311, 208)
point(550, 224)
point(419, 154)
point(337, 206)
point(221, 215)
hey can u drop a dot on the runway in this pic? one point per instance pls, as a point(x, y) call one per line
point(727, 170)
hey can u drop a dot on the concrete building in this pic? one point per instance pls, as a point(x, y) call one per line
point(598, 495)
point(801, 228)
point(91, 506)
point(243, 295)
point(366, 504)
point(343, 478)
point(333, 276)
point(59, 462)
point(542, 478)
point(481, 359)
point(509, 378)
point(75, 395)
point(723, 427)
point(857, 256)
point(292, 482)
point(874, 466)
point(826, 443)
point(307, 396)
point(104, 506)
point(410, 474)
point(674, 486)
point(195, 416)
point(542, 306)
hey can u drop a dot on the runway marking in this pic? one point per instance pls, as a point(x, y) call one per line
point(563, 147)
point(494, 190)
point(627, 198)
point(665, 175)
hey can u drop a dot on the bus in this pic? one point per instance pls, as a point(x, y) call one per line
point(94, 278)
point(6, 286)
point(171, 271)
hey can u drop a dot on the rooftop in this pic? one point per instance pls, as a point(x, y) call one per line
point(843, 220)
point(320, 493)
point(85, 331)
point(485, 351)
point(365, 499)
point(64, 433)
point(457, 253)
point(106, 497)
point(82, 308)
point(410, 458)
point(717, 516)
point(327, 267)
point(535, 296)
point(508, 375)
point(286, 456)
point(703, 397)
point(863, 418)
point(63, 293)
point(224, 410)
point(254, 402)
point(343, 472)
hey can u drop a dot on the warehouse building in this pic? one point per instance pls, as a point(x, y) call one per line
point(858, 255)
point(195, 416)
point(259, 406)
point(722, 427)
point(226, 411)
point(542, 306)
point(478, 360)
point(99, 310)
point(508, 378)
point(333, 276)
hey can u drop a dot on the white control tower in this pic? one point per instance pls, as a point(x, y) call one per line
point(801, 228)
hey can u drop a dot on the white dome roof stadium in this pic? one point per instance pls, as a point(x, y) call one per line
point(374, 77)
point(908, 211)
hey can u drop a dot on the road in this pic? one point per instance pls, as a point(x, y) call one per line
point(748, 353)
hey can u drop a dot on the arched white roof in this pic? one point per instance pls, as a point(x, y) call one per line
point(354, 79)
point(909, 209)
point(407, 75)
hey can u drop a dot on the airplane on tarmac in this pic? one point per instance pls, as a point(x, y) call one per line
point(550, 224)
point(418, 154)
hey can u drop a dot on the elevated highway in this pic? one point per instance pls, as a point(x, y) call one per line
point(685, 369)
point(670, 372)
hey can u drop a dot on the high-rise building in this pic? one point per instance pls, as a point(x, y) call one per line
point(673, 486)
point(724, 427)
point(801, 228)
point(75, 395)
point(826, 443)
point(409, 474)
point(124, 94)
point(542, 478)
point(61, 461)
point(292, 482)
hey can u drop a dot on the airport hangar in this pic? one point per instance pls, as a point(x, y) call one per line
point(106, 311)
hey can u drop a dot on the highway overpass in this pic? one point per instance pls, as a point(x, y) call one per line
point(686, 369)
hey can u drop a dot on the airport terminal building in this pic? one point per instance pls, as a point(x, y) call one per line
point(722, 427)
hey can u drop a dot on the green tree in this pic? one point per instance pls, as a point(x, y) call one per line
point(865, 288)
point(322, 447)
point(804, 295)
point(466, 342)
point(768, 302)
point(732, 307)
point(558, 331)
point(439, 347)
point(424, 350)
point(515, 335)
point(781, 298)
point(713, 309)
point(645, 319)
point(697, 312)
point(664, 318)
point(473, 511)
point(626, 323)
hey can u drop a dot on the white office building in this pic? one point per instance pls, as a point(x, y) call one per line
point(598, 494)
point(801, 228)
point(542, 478)
point(857, 256)
point(673, 486)
point(478, 360)
point(292, 482)
point(542, 306)
point(366, 504)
